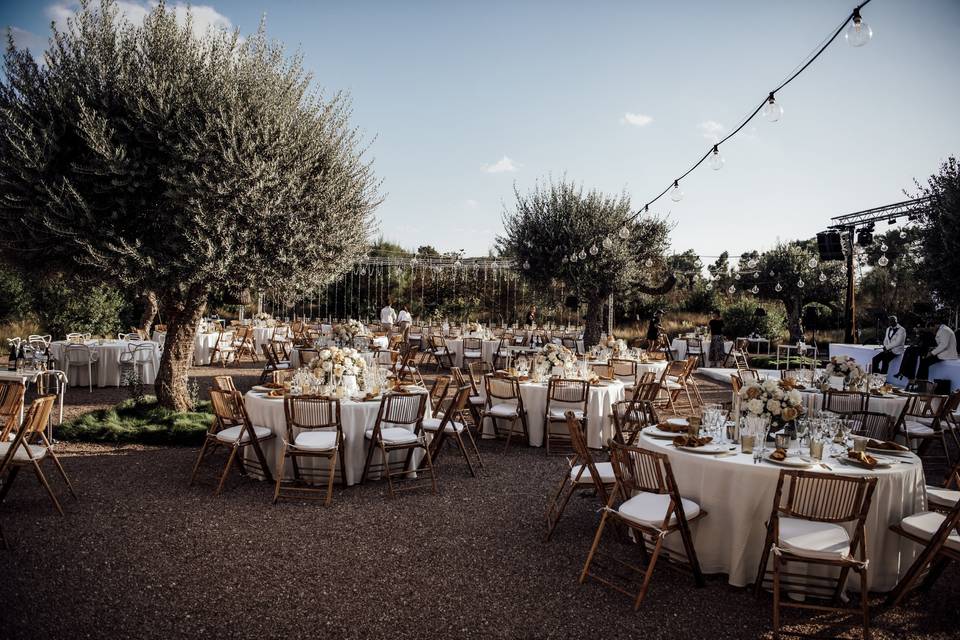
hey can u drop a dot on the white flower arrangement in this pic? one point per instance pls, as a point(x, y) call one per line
point(334, 363)
point(474, 327)
point(775, 398)
point(349, 330)
point(558, 356)
point(616, 345)
point(847, 368)
point(264, 319)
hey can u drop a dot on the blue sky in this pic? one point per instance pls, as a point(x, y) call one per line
point(462, 100)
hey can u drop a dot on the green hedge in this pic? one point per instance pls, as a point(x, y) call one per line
point(146, 423)
point(740, 320)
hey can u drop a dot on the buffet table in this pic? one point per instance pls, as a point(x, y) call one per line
point(738, 496)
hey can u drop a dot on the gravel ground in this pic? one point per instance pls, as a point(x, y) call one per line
point(143, 555)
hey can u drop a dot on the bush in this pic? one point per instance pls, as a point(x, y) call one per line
point(145, 423)
point(740, 319)
point(66, 304)
point(15, 300)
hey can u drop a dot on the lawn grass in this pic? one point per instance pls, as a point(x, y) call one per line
point(144, 423)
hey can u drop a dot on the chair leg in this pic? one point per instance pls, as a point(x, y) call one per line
point(196, 466)
point(283, 461)
point(226, 471)
point(776, 597)
point(476, 451)
point(648, 574)
point(331, 475)
point(864, 603)
point(555, 510)
point(764, 559)
point(593, 548)
point(46, 485)
point(63, 474)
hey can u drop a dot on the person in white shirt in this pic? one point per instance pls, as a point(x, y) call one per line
point(404, 319)
point(388, 316)
point(894, 339)
point(944, 349)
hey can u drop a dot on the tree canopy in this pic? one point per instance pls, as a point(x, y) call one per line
point(940, 233)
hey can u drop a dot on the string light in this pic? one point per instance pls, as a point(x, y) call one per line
point(823, 277)
point(800, 283)
point(732, 290)
point(884, 247)
point(755, 289)
point(608, 242)
point(778, 288)
point(526, 265)
point(716, 160)
point(883, 261)
point(624, 232)
point(812, 263)
point(859, 32)
point(583, 255)
point(772, 110)
point(594, 250)
point(676, 194)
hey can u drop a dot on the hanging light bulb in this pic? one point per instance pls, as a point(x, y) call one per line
point(594, 249)
point(812, 263)
point(583, 255)
point(624, 232)
point(564, 259)
point(363, 271)
point(648, 262)
point(772, 273)
point(675, 193)
point(772, 111)
point(883, 261)
point(778, 288)
point(755, 289)
point(709, 286)
point(859, 32)
point(823, 277)
point(413, 261)
point(573, 258)
point(903, 234)
point(494, 265)
point(736, 276)
point(800, 283)
point(608, 243)
point(526, 264)
point(458, 264)
point(884, 247)
point(752, 263)
point(698, 263)
point(732, 290)
point(715, 161)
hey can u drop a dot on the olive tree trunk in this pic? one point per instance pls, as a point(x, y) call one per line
point(151, 306)
point(182, 321)
point(794, 323)
point(593, 321)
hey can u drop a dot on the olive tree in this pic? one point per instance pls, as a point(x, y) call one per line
point(558, 232)
point(940, 233)
point(177, 164)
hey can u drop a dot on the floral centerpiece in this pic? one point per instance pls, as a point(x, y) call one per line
point(264, 319)
point(349, 330)
point(616, 345)
point(474, 327)
point(777, 399)
point(332, 363)
point(555, 355)
point(847, 368)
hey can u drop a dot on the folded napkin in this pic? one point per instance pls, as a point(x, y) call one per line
point(779, 454)
point(691, 441)
point(886, 445)
point(672, 428)
point(863, 458)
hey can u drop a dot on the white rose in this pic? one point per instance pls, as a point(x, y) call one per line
point(773, 406)
point(326, 366)
point(755, 406)
point(795, 398)
point(770, 385)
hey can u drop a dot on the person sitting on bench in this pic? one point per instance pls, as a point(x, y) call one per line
point(894, 339)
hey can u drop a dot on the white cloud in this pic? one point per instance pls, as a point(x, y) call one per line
point(711, 130)
point(28, 40)
point(471, 204)
point(134, 11)
point(636, 119)
point(502, 165)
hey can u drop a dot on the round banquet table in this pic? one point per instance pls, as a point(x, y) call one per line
point(891, 404)
point(355, 417)
point(367, 357)
point(738, 497)
point(679, 347)
point(263, 335)
point(599, 411)
point(203, 344)
point(106, 370)
point(487, 349)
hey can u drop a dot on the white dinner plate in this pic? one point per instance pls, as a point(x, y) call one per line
point(654, 432)
point(678, 422)
point(789, 461)
point(889, 452)
point(882, 463)
point(260, 388)
point(709, 449)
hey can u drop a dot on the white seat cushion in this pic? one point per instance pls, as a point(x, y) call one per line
point(433, 424)
point(470, 353)
point(394, 435)
point(672, 385)
point(943, 497)
point(925, 524)
point(316, 440)
point(503, 411)
point(604, 469)
point(230, 434)
point(37, 452)
point(917, 428)
point(561, 414)
point(651, 508)
point(283, 365)
point(823, 540)
point(477, 400)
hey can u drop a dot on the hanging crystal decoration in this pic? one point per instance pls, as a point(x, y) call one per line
point(608, 243)
point(823, 277)
point(883, 260)
point(594, 249)
point(778, 288)
point(732, 290)
point(755, 289)
point(624, 232)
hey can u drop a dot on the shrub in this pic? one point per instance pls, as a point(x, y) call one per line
point(67, 304)
point(740, 319)
point(144, 423)
point(15, 299)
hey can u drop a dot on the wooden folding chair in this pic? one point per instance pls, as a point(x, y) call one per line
point(399, 428)
point(438, 392)
point(632, 416)
point(231, 428)
point(243, 344)
point(695, 350)
point(945, 498)
point(645, 500)
point(673, 383)
point(504, 402)
point(223, 383)
point(475, 402)
point(564, 396)
point(472, 350)
point(583, 473)
point(604, 370)
point(451, 427)
point(407, 370)
point(624, 370)
point(479, 370)
point(920, 422)
point(872, 424)
point(11, 402)
point(441, 354)
point(806, 527)
point(274, 363)
point(845, 402)
point(29, 448)
point(314, 433)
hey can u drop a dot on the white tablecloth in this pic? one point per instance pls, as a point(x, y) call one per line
point(738, 496)
point(203, 344)
point(487, 350)
point(356, 418)
point(263, 335)
point(107, 369)
point(599, 412)
point(679, 347)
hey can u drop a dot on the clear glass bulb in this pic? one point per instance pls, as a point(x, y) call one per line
point(594, 249)
point(736, 276)
point(812, 262)
point(526, 264)
point(573, 258)
point(608, 243)
point(755, 289)
point(858, 32)
point(772, 111)
point(413, 261)
point(800, 283)
point(715, 161)
point(778, 288)
point(583, 255)
point(698, 263)
point(494, 265)
point(363, 271)
point(648, 262)
point(884, 247)
point(564, 259)
point(624, 232)
point(675, 193)
point(752, 263)
point(883, 261)
point(903, 235)
point(709, 286)
point(458, 264)
point(823, 277)
point(732, 290)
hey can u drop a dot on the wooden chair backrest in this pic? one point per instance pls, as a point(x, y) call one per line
point(224, 383)
point(872, 424)
point(34, 424)
point(825, 498)
point(845, 401)
point(11, 400)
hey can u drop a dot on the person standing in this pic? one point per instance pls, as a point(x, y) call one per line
point(532, 316)
point(894, 341)
point(404, 319)
point(388, 316)
point(944, 349)
point(654, 330)
point(717, 354)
